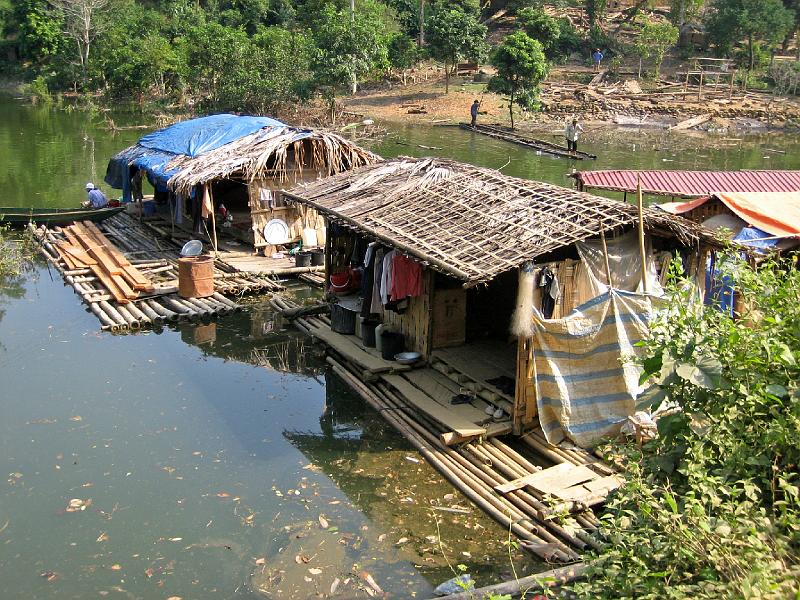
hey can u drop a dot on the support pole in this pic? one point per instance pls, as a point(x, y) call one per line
point(213, 218)
point(605, 254)
point(641, 232)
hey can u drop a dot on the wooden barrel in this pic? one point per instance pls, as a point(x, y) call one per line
point(196, 276)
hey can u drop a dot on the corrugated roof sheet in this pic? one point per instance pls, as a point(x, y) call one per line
point(689, 184)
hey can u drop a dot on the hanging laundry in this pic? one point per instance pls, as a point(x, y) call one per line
point(376, 306)
point(386, 277)
point(550, 291)
point(406, 277)
point(369, 253)
point(368, 282)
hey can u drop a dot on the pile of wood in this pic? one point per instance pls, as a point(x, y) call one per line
point(132, 283)
point(605, 101)
point(85, 247)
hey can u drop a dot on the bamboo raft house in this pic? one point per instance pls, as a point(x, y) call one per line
point(128, 276)
point(502, 351)
point(507, 135)
point(219, 178)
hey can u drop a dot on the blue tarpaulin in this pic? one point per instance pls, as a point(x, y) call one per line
point(198, 136)
point(190, 138)
point(755, 238)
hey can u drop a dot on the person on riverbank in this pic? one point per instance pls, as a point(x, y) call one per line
point(572, 133)
point(95, 199)
point(473, 111)
point(597, 58)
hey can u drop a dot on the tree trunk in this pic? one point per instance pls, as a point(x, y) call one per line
point(421, 40)
point(752, 51)
point(446, 77)
point(511, 110)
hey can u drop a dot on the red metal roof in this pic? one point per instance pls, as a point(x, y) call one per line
point(691, 183)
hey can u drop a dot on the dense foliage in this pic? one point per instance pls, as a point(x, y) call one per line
point(521, 67)
point(248, 55)
point(711, 509)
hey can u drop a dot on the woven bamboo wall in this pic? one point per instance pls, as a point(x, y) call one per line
point(296, 216)
point(415, 323)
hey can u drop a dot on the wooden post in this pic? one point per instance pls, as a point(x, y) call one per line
point(605, 254)
point(700, 89)
point(213, 217)
point(641, 232)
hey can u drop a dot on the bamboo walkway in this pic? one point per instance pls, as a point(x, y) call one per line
point(541, 145)
point(542, 493)
point(127, 276)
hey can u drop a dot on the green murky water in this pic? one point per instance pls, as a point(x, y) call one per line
point(199, 458)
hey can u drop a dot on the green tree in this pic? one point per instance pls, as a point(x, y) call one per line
point(37, 30)
point(684, 11)
point(453, 35)
point(653, 41)
point(521, 67)
point(595, 11)
point(349, 47)
point(730, 21)
point(541, 27)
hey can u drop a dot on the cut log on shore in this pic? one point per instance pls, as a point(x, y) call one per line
point(523, 140)
point(530, 584)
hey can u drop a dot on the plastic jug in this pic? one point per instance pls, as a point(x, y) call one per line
point(378, 331)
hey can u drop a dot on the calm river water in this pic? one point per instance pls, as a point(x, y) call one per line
point(212, 461)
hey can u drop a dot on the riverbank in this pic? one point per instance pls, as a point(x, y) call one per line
point(615, 101)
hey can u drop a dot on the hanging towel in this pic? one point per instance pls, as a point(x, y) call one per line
point(406, 277)
point(386, 277)
point(376, 306)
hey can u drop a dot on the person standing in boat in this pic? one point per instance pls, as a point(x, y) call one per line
point(572, 133)
point(96, 198)
point(473, 111)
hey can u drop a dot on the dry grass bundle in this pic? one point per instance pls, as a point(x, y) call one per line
point(470, 222)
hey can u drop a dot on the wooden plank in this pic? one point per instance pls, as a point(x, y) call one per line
point(446, 416)
point(689, 123)
point(135, 277)
point(351, 351)
point(551, 480)
point(110, 284)
point(598, 488)
point(96, 251)
point(80, 255)
point(442, 389)
point(59, 245)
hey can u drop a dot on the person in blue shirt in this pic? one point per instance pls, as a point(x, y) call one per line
point(473, 111)
point(96, 198)
point(597, 56)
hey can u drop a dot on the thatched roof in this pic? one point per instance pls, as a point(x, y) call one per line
point(266, 154)
point(470, 222)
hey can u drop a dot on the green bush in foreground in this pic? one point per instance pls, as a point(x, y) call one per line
point(711, 509)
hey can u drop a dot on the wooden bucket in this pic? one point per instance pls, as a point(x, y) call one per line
point(196, 276)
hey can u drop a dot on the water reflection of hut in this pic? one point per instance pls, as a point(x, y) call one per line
point(241, 163)
point(502, 284)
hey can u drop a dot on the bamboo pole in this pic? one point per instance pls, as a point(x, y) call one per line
point(605, 254)
point(105, 320)
point(213, 217)
point(532, 583)
point(154, 317)
point(642, 251)
point(133, 322)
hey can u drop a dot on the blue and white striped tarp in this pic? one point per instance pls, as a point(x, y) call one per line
point(586, 383)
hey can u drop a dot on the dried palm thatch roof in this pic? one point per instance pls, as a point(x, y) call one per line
point(470, 222)
point(270, 153)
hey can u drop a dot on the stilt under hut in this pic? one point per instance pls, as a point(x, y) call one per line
point(221, 176)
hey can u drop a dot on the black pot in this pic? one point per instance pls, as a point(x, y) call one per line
point(302, 259)
point(317, 258)
point(368, 333)
point(391, 344)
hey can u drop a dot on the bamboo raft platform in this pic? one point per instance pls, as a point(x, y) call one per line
point(230, 250)
point(132, 282)
point(542, 493)
point(507, 135)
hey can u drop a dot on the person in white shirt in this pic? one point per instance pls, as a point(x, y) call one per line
point(572, 133)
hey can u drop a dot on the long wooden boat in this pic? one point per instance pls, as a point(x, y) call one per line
point(507, 135)
point(55, 216)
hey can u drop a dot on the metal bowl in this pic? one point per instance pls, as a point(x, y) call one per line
point(407, 358)
point(192, 248)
